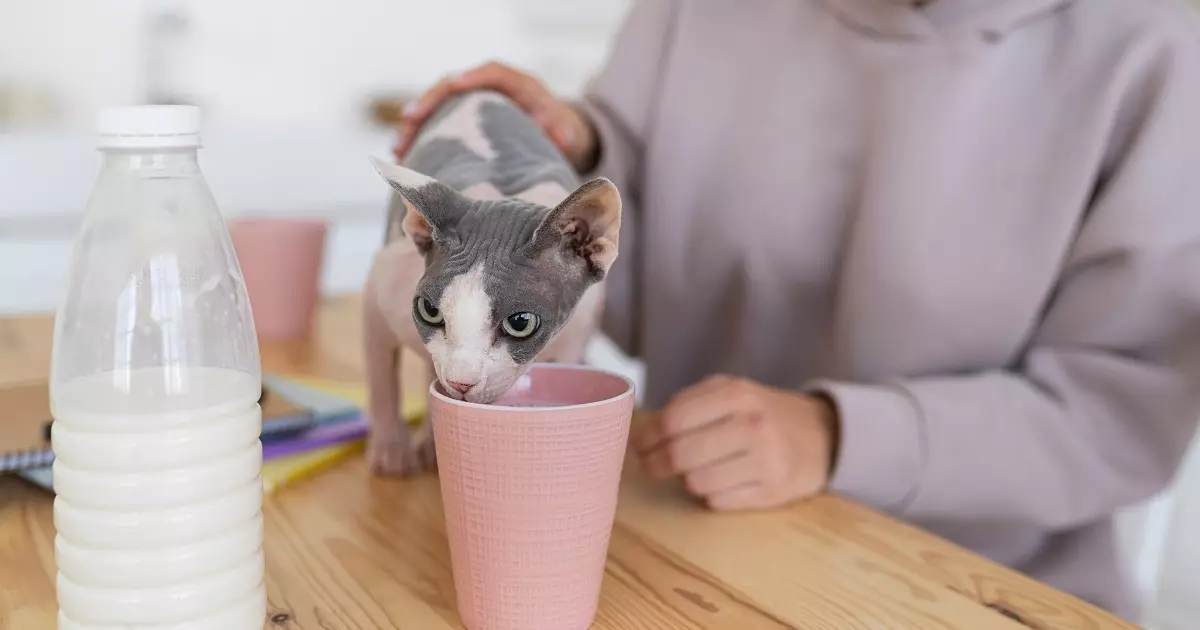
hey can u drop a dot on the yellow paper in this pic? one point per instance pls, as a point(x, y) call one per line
point(278, 473)
point(412, 408)
point(350, 391)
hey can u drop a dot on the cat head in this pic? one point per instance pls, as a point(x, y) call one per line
point(502, 276)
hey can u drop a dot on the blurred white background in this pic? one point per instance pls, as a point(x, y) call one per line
point(286, 88)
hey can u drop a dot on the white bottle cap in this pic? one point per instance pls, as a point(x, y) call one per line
point(149, 127)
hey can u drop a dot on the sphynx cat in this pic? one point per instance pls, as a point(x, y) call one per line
point(494, 258)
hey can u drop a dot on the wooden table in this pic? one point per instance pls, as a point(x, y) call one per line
point(346, 551)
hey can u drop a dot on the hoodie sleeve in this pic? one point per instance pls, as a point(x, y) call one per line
point(1103, 407)
point(619, 102)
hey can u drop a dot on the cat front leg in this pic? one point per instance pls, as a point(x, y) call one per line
point(423, 437)
point(389, 441)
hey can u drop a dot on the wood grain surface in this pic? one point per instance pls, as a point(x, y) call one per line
point(349, 551)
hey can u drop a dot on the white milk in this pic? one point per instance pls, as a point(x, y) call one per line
point(159, 506)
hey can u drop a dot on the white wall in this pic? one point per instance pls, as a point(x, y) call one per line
point(258, 61)
point(284, 88)
point(82, 51)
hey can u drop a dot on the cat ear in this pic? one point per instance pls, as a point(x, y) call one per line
point(586, 224)
point(431, 208)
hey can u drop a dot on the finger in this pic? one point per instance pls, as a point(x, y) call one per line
point(707, 402)
point(703, 447)
point(748, 496)
point(404, 139)
point(497, 76)
point(649, 435)
point(492, 73)
point(415, 112)
point(526, 91)
point(726, 474)
point(704, 386)
point(548, 120)
point(561, 129)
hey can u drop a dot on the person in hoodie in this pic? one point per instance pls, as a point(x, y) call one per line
point(941, 257)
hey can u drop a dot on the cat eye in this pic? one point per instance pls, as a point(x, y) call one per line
point(520, 325)
point(428, 312)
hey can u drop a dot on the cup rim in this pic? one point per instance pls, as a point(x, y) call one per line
point(626, 393)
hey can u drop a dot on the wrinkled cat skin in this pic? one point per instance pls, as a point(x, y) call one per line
point(494, 258)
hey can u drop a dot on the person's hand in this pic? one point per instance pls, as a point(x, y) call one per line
point(741, 445)
point(566, 126)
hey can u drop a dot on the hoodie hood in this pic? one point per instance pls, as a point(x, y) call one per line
point(916, 20)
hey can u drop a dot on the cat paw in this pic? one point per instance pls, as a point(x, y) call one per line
point(391, 454)
point(425, 452)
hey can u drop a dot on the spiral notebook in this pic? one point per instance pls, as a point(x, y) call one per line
point(25, 423)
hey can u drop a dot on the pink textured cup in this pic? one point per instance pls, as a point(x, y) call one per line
point(281, 262)
point(529, 490)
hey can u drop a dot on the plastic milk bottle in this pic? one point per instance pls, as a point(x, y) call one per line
point(154, 389)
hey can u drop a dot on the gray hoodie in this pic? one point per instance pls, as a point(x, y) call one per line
point(974, 224)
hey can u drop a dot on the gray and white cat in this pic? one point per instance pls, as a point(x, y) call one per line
point(494, 258)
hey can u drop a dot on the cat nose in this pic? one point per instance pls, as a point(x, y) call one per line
point(460, 386)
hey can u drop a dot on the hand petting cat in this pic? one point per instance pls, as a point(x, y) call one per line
point(738, 444)
point(566, 127)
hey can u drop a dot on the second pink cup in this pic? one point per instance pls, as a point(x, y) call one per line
point(281, 261)
point(529, 490)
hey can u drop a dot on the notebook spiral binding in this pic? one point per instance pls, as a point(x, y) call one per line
point(21, 460)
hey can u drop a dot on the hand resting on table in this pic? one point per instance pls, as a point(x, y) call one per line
point(738, 444)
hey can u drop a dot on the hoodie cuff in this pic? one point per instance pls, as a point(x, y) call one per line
point(616, 157)
point(880, 443)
